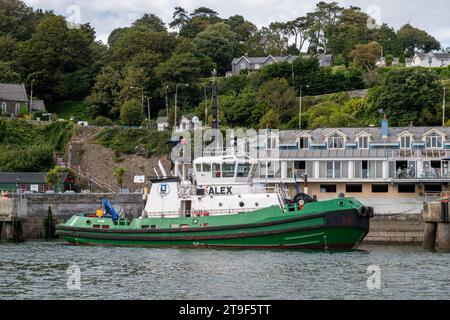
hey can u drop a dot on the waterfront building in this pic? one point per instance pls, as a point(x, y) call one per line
point(390, 168)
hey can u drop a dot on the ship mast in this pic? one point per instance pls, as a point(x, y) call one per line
point(215, 120)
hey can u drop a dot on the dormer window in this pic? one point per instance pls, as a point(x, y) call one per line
point(336, 142)
point(433, 141)
point(303, 143)
point(405, 142)
point(363, 142)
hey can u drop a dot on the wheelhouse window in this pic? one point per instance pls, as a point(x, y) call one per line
point(336, 142)
point(228, 170)
point(216, 170)
point(363, 142)
point(243, 170)
point(433, 141)
point(405, 142)
point(303, 143)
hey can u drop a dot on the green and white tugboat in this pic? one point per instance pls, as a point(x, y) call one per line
point(222, 208)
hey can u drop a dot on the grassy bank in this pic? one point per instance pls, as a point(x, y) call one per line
point(26, 147)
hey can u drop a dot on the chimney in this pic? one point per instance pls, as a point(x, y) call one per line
point(384, 127)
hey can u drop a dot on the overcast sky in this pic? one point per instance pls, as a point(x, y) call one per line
point(106, 15)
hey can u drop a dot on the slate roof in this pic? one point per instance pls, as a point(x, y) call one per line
point(27, 177)
point(318, 136)
point(38, 105)
point(13, 92)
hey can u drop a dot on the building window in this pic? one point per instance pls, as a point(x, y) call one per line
point(243, 66)
point(433, 188)
point(257, 66)
point(333, 169)
point(406, 188)
point(380, 188)
point(405, 142)
point(328, 188)
point(17, 109)
point(336, 142)
point(303, 143)
point(434, 141)
point(354, 188)
point(3, 107)
point(363, 142)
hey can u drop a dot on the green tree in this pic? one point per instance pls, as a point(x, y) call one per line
point(408, 95)
point(180, 18)
point(270, 119)
point(53, 178)
point(242, 28)
point(218, 42)
point(413, 39)
point(277, 95)
point(366, 55)
point(105, 92)
point(150, 22)
point(118, 174)
point(7, 74)
point(131, 113)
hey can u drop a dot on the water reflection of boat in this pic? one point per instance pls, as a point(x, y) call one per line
point(222, 208)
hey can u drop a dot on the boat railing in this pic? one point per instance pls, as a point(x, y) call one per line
point(194, 190)
point(199, 213)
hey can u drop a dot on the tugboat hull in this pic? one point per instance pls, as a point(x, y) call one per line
point(342, 225)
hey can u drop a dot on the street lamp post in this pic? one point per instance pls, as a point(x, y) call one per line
point(142, 95)
point(443, 108)
point(167, 103)
point(300, 106)
point(176, 100)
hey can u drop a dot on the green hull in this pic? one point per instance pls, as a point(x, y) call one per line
point(334, 224)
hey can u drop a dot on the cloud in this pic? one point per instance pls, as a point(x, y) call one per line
point(105, 16)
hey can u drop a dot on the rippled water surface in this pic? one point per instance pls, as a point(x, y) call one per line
point(38, 270)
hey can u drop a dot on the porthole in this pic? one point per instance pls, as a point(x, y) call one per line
point(88, 222)
point(241, 204)
point(220, 204)
point(256, 204)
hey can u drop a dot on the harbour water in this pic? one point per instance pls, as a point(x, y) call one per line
point(39, 270)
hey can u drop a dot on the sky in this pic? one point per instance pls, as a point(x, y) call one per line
point(106, 15)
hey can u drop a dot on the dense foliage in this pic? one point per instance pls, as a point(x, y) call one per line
point(26, 147)
point(144, 64)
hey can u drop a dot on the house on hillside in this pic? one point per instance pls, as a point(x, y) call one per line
point(38, 105)
point(395, 62)
point(12, 98)
point(256, 63)
point(162, 123)
point(431, 59)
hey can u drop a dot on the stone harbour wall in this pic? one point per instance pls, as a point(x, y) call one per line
point(63, 206)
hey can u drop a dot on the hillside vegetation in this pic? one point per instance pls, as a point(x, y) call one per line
point(27, 147)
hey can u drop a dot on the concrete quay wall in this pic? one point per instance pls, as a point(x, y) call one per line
point(63, 206)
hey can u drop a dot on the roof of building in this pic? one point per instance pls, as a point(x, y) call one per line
point(38, 105)
point(161, 120)
point(27, 177)
point(438, 55)
point(260, 60)
point(375, 133)
point(13, 92)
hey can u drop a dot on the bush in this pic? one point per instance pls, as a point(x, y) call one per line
point(131, 113)
point(101, 121)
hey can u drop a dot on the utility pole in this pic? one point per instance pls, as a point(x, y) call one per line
point(148, 110)
point(443, 108)
point(176, 100)
point(167, 103)
point(300, 107)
